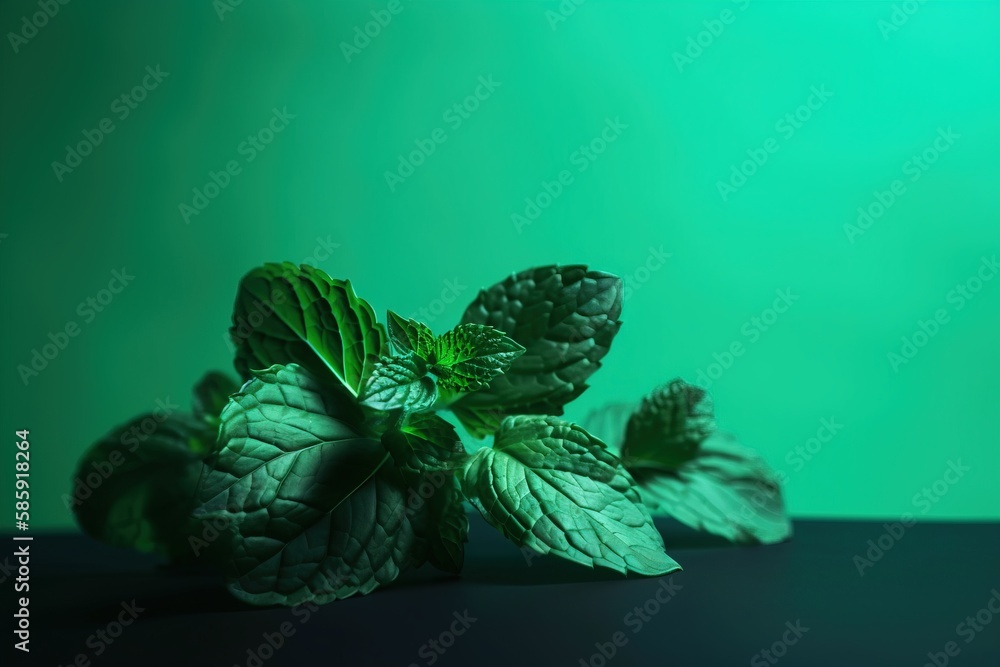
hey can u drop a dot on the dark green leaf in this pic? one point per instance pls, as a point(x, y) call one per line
point(548, 485)
point(211, 394)
point(399, 383)
point(428, 451)
point(668, 427)
point(726, 489)
point(316, 512)
point(565, 317)
point(136, 486)
point(442, 523)
point(425, 442)
point(480, 422)
point(410, 335)
point(286, 314)
point(470, 356)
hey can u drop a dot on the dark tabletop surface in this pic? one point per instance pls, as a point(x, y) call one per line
point(804, 602)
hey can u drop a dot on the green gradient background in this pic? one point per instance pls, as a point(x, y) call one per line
point(323, 178)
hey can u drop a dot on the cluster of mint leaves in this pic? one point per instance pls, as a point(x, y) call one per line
point(327, 471)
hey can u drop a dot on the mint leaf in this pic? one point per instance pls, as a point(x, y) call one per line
point(565, 317)
point(668, 427)
point(148, 470)
point(316, 513)
point(287, 314)
point(409, 335)
point(479, 422)
point(548, 485)
point(726, 489)
point(470, 356)
point(428, 451)
point(399, 383)
point(703, 478)
point(425, 442)
point(442, 523)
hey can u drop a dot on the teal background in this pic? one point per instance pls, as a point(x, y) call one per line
point(322, 182)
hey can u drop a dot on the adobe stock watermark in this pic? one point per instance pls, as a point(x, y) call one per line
point(901, 13)
point(364, 34)
point(634, 621)
point(785, 127)
point(642, 274)
point(248, 149)
point(451, 290)
point(121, 108)
point(243, 327)
point(32, 23)
point(923, 501)
point(582, 158)
point(103, 638)
point(752, 330)
point(273, 641)
point(798, 457)
point(565, 9)
point(91, 479)
point(87, 311)
point(968, 630)
point(697, 44)
point(435, 647)
point(454, 117)
point(430, 484)
point(913, 169)
point(958, 297)
point(223, 7)
point(7, 569)
point(779, 649)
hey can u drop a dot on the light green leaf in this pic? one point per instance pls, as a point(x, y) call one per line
point(548, 485)
point(470, 356)
point(399, 383)
point(316, 513)
point(726, 489)
point(287, 314)
point(410, 335)
point(668, 427)
point(565, 317)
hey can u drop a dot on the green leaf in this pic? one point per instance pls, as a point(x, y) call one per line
point(668, 427)
point(286, 314)
point(425, 442)
point(399, 383)
point(136, 486)
point(317, 514)
point(548, 485)
point(479, 422)
point(428, 451)
point(726, 489)
point(448, 526)
point(211, 394)
point(565, 317)
point(470, 356)
point(703, 478)
point(410, 335)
